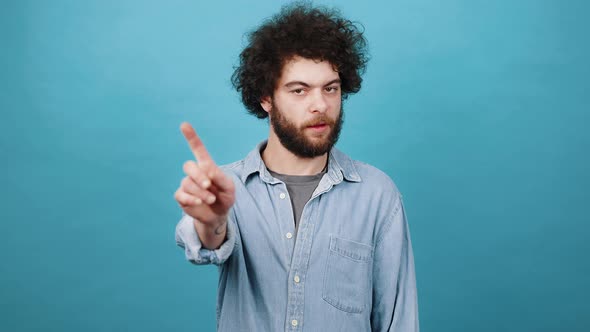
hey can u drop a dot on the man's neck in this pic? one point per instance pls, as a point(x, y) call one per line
point(280, 160)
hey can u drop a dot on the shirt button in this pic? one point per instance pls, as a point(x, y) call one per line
point(296, 279)
point(289, 235)
point(282, 195)
point(294, 322)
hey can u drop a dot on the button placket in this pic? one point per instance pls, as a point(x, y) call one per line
point(285, 220)
point(299, 266)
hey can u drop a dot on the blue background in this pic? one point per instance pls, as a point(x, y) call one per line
point(477, 109)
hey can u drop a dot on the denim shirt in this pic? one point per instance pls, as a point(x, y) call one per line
point(350, 266)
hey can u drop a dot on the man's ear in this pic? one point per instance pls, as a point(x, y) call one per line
point(266, 103)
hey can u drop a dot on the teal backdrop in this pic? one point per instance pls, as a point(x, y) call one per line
point(479, 111)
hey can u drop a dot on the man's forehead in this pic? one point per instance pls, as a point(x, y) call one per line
point(306, 70)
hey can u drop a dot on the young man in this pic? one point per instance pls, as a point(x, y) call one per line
point(306, 238)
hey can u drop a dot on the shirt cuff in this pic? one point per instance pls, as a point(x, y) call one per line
point(187, 238)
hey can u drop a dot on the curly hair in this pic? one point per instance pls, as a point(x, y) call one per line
point(299, 30)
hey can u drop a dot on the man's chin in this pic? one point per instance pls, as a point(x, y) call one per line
point(317, 141)
point(319, 147)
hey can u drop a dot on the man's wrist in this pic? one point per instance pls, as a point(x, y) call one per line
point(221, 228)
point(217, 228)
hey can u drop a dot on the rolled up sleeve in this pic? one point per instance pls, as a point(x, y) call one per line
point(188, 239)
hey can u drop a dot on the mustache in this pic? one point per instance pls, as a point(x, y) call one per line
point(320, 120)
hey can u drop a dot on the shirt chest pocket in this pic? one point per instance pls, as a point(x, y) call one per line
point(347, 279)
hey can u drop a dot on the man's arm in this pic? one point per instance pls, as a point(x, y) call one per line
point(395, 300)
point(206, 196)
point(211, 236)
point(206, 193)
point(195, 252)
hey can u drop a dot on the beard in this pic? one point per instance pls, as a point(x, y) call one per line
point(294, 138)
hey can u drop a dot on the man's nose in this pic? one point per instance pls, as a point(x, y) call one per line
point(318, 103)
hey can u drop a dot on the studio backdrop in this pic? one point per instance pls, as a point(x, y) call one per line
point(478, 110)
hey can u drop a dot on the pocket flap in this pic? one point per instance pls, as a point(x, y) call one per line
point(351, 249)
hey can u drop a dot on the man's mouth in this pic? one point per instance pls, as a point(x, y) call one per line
point(318, 127)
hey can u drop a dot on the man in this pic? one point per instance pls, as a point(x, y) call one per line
point(306, 239)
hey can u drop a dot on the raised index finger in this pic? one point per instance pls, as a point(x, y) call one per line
point(195, 143)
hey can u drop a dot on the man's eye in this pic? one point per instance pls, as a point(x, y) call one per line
point(332, 89)
point(298, 91)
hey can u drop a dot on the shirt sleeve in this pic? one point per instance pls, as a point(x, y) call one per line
point(395, 300)
point(188, 239)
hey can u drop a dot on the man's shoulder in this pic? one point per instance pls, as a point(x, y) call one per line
point(235, 168)
point(374, 177)
point(239, 170)
point(375, 186)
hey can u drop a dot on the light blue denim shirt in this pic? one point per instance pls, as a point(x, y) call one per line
point(350, 266)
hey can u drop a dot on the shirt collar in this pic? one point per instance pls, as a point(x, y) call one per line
point(340, 166)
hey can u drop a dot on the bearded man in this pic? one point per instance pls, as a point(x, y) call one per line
point(306, 239)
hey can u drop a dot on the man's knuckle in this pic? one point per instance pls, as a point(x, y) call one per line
point(188, 165)
point(203, 164)
point(185, 199)
point(185, 182)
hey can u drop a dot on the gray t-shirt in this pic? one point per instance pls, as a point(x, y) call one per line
point(300, 188)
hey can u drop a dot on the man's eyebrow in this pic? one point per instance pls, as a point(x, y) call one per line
point(292, 83)
point(333, 81)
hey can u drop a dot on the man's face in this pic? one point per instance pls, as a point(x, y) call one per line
point(306, 109)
